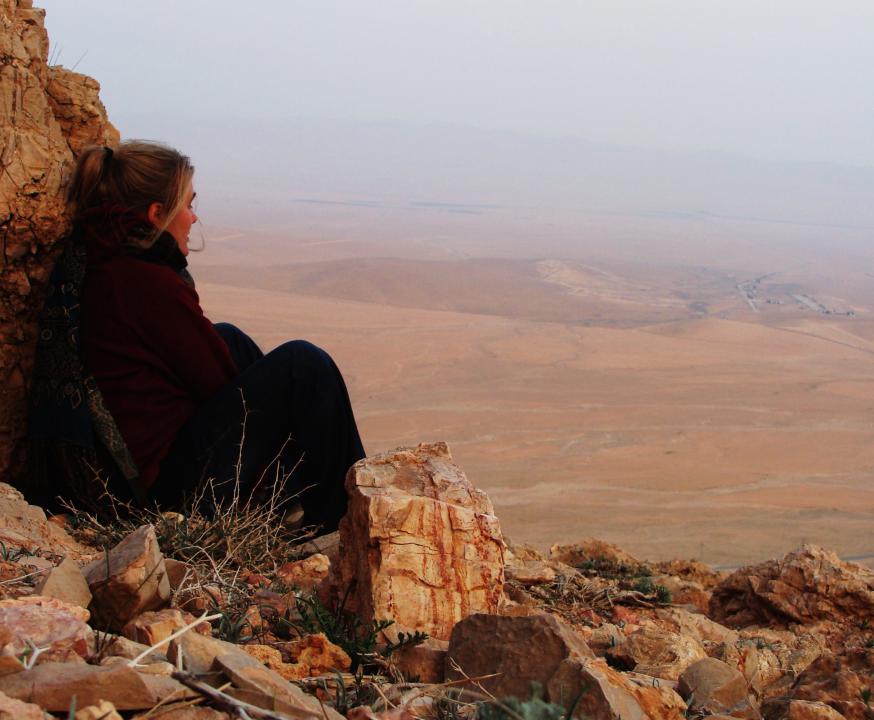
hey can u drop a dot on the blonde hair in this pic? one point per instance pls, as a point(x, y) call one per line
point(130, 179)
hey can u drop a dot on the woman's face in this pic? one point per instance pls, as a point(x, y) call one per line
point(180, 226)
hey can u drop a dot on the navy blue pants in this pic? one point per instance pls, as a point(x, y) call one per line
point(288, 408)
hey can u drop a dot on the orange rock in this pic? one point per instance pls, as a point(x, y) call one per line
point(152, 627)
point(426, 662)
point(422, 545)
point(623, 614)
point(518, 650)
point(48, 623)
point(102, 711)
point(306, 574)
point(657, 653)
point(839, 681)
point(53, 685)
point(130, 581)
point(711, 686)
point(66, 582)
point(270, 656)
point(25, 526)
point(607, 694)
point(593, 550)
point(11, 709)
point(691, 571)
point(807, 585)
point(318, 654)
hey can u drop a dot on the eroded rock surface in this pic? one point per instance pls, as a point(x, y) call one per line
point(421, 545)
point(46, 116)
point(807, 585)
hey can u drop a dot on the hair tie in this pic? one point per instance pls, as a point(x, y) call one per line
point(107, 158)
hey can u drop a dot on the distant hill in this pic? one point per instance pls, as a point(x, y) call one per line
point(256, 167)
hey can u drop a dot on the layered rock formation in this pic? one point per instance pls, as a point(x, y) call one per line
point(47, 115)
point(421, 545)
point(796, 589)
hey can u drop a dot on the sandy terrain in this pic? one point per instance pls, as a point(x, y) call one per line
point(648, 404)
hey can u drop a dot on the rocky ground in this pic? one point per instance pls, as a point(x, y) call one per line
point(418, 607)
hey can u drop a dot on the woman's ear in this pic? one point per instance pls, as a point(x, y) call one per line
point(155, 213)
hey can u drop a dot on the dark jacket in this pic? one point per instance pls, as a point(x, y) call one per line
point(153, 354)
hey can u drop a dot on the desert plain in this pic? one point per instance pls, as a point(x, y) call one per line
point(688, 386)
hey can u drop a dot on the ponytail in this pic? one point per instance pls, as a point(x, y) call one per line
point(130, 178)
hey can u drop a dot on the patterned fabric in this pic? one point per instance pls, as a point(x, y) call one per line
point(74, 439)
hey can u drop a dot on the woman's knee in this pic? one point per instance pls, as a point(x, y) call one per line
point(303, 351)
point(244, 350)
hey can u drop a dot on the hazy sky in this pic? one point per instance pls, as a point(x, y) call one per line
point(781, 79)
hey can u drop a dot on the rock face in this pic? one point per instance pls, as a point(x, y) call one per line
point(129, 581)
point(521, 650)
point(807, 585)
point(47, 114)
point(419, 544)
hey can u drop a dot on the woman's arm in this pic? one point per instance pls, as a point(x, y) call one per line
point(175, 328)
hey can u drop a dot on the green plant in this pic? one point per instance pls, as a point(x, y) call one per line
point(535, 708)
point(11, 554)
point(344, 628)
point(611, 569)
point(865, 695)
point(645, 585)
point(231, 627)
point(663, 595)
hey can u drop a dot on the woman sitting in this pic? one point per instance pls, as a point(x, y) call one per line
point(127, 360)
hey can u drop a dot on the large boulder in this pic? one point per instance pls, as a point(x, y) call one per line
point(46, 115)
point(805, 586)
point(517, 650)
point(710, 686)
point(598, 692)
point(769, 660)
point(419, 544)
